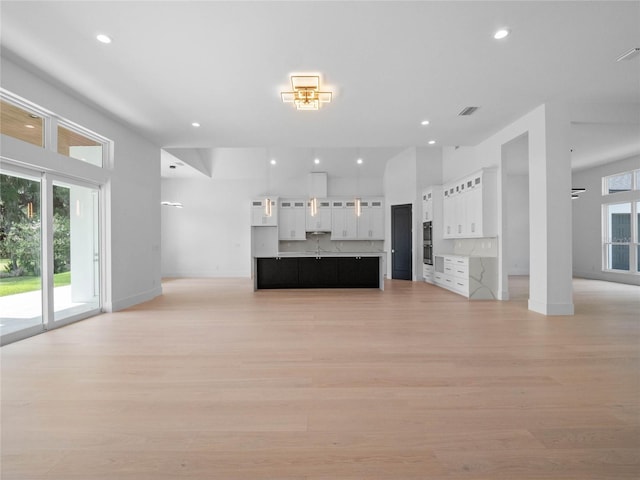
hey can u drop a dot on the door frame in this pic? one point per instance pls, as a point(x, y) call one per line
point(47, 180)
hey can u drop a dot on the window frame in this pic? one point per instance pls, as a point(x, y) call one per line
point(75, 128)
point(50, 123)
point(635, 176)
point(633, 242)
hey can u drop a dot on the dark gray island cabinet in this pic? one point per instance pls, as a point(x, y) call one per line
point(319, 271)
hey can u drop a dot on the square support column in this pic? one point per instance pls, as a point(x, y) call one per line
point(551, 289)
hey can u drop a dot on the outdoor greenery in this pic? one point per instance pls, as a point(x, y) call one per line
point(20, 232)
point(13, 285)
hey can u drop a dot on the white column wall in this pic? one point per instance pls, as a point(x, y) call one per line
point(550, 279)
point(550, 290)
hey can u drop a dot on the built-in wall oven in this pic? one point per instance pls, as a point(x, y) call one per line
point(427, 243)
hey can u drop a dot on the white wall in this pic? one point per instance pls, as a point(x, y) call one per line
point(518, 224)
point(131, 186)
point(211, 235)
point(587, 221)
point(400, 187)
point(547, 126)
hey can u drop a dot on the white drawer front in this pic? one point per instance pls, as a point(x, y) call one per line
point(461, 285)
point(461, 271)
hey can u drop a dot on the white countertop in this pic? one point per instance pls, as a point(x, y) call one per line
point(462, 255)
point(327, 254)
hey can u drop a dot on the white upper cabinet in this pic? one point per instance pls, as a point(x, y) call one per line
point(292, 223)
point(263, 215)
point(336, 215)
point(344, 225)
point(470, 206)
point(427, 205)
point(321, 221)
point(371, 219)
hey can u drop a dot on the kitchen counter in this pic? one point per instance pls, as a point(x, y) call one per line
point(473, 276)
point(329, 254)
point(319, 270)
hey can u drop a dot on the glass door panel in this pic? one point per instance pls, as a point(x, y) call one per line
point(20, 254)
point(76, 261)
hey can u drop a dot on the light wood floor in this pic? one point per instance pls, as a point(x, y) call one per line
point(214, 381)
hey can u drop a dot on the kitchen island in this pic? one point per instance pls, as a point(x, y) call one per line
point(319, 270)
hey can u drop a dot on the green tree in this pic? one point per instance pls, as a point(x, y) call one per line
point(20, 225)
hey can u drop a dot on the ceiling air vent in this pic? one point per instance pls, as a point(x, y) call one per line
point(467, 111)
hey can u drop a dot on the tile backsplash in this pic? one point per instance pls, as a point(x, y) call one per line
point(323, 243)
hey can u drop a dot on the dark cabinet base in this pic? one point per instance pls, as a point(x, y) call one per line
point(318, 272)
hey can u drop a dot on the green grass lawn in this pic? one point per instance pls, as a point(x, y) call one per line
point(13, 285)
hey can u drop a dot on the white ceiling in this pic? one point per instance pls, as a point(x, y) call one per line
point(390, 65)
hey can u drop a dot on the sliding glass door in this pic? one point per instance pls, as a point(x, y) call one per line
point(20, 253)
point(76, 259)
point(49, 252)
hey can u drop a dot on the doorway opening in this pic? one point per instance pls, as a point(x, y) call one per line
point(515, 163)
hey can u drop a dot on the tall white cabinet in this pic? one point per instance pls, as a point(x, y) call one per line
point(344, 225)
point(427, 205)
point(470, 206)
point(292, 224)
point(371, 220)
point(262, 215)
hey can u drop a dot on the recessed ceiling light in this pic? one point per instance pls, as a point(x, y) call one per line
point(273, 161)
point(359, 161)
point(30, 126)
point(103, 38)
point(195, 124)
point(316, 161)
point(424, 122)
point(431, 142)
point(502, 33)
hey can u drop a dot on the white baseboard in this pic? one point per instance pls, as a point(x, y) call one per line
point(626, 278)
point(206, 274)
point(122, 303)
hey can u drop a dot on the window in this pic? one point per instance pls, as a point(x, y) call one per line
point(621, 222)
point(618, 238)
point(20, 123)
point(621, 182)
point(50, 222)
point(80, 146)
point(622, 230)
point(31, 123)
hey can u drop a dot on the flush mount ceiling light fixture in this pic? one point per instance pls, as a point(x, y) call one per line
point(306, 94)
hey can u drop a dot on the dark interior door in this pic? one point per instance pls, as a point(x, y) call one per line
point(401, 243)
